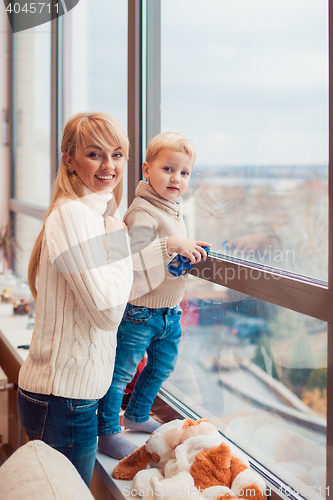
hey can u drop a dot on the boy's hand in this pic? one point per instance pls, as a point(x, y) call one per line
point(250, 243)
point(188, 248)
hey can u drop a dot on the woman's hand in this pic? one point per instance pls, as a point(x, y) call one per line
point(188, 248)
point(114, 224)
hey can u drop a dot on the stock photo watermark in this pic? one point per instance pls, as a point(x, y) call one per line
point(273, 256)
point(224, 273)
point(219, 492)
point(188, 491)
point(23, 15)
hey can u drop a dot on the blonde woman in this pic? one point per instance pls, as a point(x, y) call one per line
point(80, 274)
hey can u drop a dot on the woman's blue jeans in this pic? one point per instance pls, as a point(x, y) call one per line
point(155, 331)
point(68, 425)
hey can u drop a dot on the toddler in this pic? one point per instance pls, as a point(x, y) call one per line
point(151, 321)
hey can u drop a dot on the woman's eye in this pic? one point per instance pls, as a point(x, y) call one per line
point(93, 155)
point(118, 155)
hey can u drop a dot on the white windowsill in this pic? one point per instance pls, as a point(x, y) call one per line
point(105, 465)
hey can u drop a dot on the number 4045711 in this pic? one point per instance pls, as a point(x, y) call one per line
point(32, 8)
point(308, 491)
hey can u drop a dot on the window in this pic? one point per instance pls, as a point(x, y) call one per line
point(32, 132)
point(93, 79)
point(258, 372)
point(247, 82)
point(27, 230)
point(95, 66)
point(32, 98)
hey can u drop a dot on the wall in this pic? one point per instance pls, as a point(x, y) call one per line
point(4, 149)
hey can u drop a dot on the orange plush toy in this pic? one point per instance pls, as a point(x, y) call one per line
point(192, 458)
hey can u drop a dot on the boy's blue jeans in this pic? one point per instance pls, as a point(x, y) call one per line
point(68, 425)
point(155, 331)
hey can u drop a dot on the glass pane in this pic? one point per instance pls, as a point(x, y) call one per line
point(247, 82)
point(95, 77)
point(258, 371)
point(33, 115)
point(26, 231)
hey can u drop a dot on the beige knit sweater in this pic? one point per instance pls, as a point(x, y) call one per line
point(151, 219)
point(84, 281)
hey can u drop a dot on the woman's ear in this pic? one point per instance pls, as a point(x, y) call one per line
point(69, 162)
point(200, 180)
point(145, 170)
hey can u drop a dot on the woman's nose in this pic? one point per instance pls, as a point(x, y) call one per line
point(107, 163)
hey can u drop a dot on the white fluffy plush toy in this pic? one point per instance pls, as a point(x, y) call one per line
point(193, 459)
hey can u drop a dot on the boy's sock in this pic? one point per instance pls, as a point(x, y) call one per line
point(148, 426)
point(115, 445)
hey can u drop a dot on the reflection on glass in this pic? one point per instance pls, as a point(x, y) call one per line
point(26, 231)
point(248, 85)
point(33, 115)
point(268, 219)
point(258, 371)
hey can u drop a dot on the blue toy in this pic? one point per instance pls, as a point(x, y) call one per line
point(180, 265)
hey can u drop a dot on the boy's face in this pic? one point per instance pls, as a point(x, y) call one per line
point(169, 173)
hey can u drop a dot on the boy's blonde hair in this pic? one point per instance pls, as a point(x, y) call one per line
point(98, 129)
point(170, 141)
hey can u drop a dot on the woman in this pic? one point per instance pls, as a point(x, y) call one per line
point(82, 264)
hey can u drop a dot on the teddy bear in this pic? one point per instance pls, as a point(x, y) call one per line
point(190, 457)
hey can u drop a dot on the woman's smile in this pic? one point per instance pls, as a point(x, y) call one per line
point(105, 179)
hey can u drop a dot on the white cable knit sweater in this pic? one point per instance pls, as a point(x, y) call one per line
point(84, 282)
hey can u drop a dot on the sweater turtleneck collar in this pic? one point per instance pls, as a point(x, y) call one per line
point(96, 201)
point(144, 190)
point(224, 206)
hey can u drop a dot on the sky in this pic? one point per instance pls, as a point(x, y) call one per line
point(247, 81)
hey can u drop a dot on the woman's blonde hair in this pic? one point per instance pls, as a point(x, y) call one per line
point(98, 129)
point(169, 141)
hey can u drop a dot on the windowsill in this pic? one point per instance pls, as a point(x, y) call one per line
point(105, 465)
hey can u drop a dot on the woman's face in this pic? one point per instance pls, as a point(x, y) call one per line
point(98, 168)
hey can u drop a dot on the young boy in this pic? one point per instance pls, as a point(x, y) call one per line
point(151, 322)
